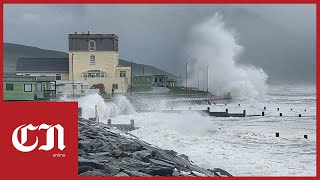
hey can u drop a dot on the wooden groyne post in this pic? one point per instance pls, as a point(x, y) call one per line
point(96, 112)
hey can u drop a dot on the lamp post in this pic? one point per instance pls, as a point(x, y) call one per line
point(198, 79)
point(187, 78)
point(131, 78)
point(72, 75)
point(207, 78)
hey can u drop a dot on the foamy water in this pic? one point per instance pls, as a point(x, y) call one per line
point(120, 105)
point(214, 46)
point(242, 146)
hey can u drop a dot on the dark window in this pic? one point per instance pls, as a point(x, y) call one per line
point(92, 59)
point(27, 87)
point(93, 74)
point(9, 87)
point(92, 45)
point(58, 76)
point(123, 74)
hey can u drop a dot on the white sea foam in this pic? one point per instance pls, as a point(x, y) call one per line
point(120, 105)
point(241, 146)
point(213, 45)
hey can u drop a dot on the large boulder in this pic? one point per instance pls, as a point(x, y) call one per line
point(93, 173)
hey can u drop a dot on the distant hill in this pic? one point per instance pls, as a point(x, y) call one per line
point(14, 51)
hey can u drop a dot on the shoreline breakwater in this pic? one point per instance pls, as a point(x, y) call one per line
point(106, 151)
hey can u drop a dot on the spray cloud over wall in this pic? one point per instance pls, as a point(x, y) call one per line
point(119, 106)
point(213, 46)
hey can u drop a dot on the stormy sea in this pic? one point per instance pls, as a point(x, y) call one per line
point(243, 146)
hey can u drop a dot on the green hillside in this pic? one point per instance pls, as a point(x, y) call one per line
point(14, 51)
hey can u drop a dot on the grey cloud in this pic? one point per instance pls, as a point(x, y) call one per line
point(278, 38)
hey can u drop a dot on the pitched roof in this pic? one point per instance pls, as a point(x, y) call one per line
point(42, 65)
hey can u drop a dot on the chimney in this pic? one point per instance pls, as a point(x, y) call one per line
point(88, 32)
point(75, 32)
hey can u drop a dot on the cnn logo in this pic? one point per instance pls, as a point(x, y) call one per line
point(19, 145)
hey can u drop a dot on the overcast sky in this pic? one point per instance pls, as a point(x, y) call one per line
point(278, 38)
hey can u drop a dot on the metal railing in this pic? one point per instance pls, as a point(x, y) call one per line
point(185, 97)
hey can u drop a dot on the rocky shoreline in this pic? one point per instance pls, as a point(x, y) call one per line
point(107, 151)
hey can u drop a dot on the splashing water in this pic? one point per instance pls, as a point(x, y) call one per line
point(213, 45)
point(120, 106)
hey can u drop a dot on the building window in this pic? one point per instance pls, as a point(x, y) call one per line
point(9, 87)
point(58, 76)
point(93, 74)
point(92, 45)
point(74, 86)
point(92, 59)
point(27, 87)
point(123, 74)
point(27, 74)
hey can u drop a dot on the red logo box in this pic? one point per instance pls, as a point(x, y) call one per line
point(38, 164)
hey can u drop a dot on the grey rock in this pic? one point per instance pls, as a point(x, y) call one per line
point(102, 152)
point(84, 145)
point(221, 172)
point(158, 171)
point(119, 153)
point(132, 147)
point(135, 173)
point(121, 174)
point(102, 155)
point(91, 163)
point(143, 155)
point(111, 170)
point(161, 163)
point(92, 173)
point(81, 152)
point(82, 169)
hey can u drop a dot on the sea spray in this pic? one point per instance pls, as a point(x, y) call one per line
point(214, 51)
point(120, 105)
